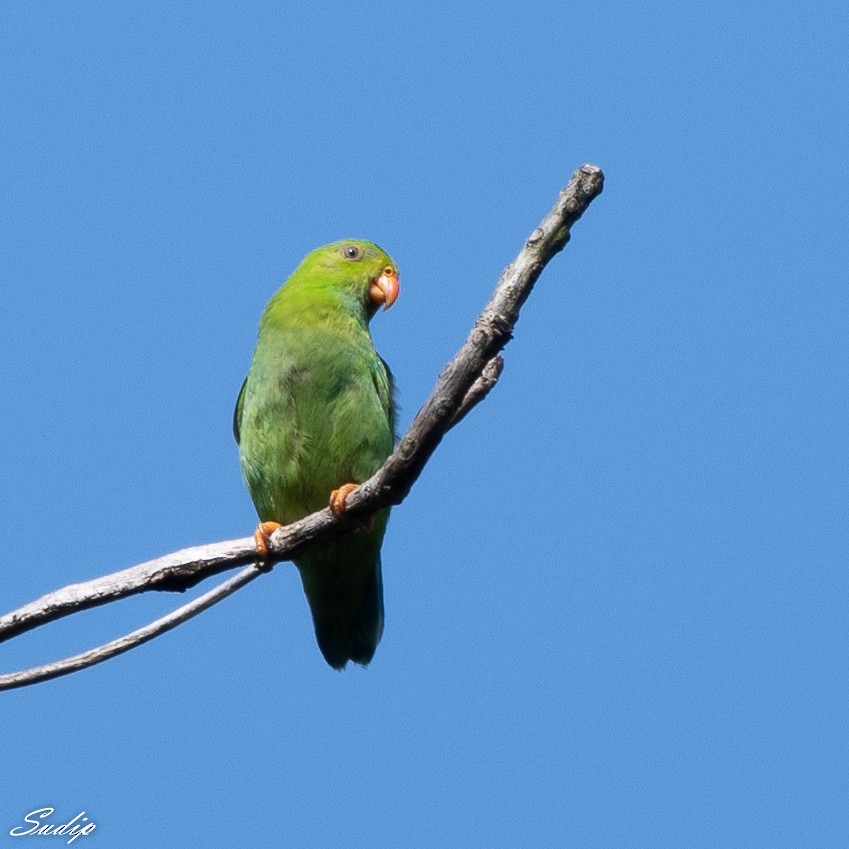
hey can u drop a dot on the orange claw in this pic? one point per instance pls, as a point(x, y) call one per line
point(339, 496)
point(337, 503)
point(261, 537)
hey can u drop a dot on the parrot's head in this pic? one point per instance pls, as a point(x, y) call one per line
point(356, 270)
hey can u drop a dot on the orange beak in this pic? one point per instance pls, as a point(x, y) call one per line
point(385, 289)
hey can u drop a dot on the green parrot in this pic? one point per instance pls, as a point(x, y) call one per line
point(316, 417)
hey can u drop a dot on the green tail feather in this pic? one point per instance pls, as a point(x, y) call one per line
point(345, 595)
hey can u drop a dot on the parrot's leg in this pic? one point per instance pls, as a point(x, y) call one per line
point(337, 502)
point(261, 536)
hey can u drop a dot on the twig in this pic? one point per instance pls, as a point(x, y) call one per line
point(479, 389)
point(131, 640)
point(463, 383)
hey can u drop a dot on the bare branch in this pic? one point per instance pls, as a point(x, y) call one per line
point(463, 383)
point(177, 571)
point(129, 641)
point(491, 332)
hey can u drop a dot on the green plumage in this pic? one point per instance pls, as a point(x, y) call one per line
point(316, 411)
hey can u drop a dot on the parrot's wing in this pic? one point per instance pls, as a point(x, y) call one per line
point(237, 413)
point(384, 385)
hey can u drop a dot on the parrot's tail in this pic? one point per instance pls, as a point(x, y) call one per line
point(346, 602)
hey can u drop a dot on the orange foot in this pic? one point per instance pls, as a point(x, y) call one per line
point(261, 537)
point(338, 498)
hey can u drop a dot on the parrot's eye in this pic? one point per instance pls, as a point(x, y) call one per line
point(351, 252)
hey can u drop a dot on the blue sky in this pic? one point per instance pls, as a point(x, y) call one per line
point(617, 598)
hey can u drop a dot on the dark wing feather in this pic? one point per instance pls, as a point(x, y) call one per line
point(237, 413)
point(384, 384)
